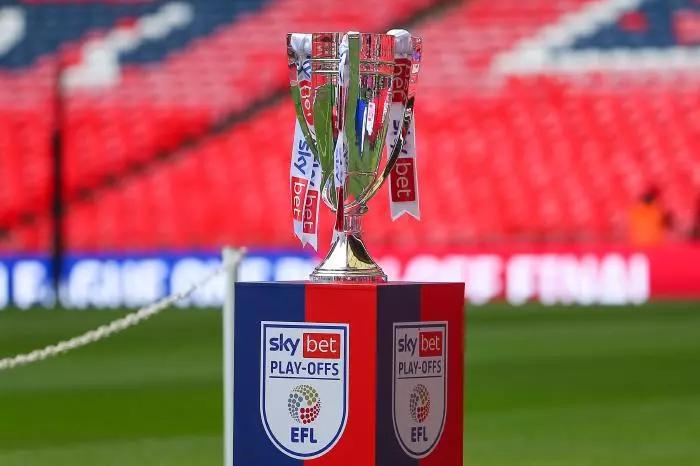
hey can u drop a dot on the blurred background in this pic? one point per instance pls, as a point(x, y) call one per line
point(559, 164)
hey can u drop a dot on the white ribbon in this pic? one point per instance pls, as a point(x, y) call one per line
point(301, 43)
point(403, 179)
point(302, 171)
point(311, 204)
point(300, 174)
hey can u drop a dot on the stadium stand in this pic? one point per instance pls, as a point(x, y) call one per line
point(529, 127)
point(118, 108)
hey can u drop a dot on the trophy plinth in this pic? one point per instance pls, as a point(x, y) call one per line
point(319, 374)
point(348, 260)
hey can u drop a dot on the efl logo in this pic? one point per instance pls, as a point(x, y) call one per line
point(304, 405)
point(403, 187)
point(304, 386)
point(419, 385)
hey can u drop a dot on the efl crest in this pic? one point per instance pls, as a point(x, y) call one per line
point(419, 385)
point(304, 386)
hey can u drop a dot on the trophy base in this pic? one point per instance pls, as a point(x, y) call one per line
point(348, 262)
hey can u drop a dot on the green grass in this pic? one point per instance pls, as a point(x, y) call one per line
point(546, 387)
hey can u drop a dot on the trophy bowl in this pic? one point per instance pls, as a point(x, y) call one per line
point(344, 86)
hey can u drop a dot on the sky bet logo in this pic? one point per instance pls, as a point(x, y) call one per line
point(429, 344)
point(316, 345)
point(302, 364)
point(419, 385)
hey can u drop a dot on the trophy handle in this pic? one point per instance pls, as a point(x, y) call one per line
point(361, 202)
point(299, 110)
point(415, 52)
point(393, 158)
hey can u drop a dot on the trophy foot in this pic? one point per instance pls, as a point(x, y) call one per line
point(348, 262)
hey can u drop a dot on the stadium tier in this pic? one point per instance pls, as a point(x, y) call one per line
point(537, 120)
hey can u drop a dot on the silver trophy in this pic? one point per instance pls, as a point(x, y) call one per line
point(344, 118)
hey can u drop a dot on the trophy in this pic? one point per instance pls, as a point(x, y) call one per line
point(353, 94)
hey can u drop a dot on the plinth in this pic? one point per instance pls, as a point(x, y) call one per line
point(346, 375)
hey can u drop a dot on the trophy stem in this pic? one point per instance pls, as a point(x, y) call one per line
point(348, 260)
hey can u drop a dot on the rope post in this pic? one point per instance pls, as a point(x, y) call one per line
point(232, 259)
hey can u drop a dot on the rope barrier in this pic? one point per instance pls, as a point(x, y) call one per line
point(104, 331)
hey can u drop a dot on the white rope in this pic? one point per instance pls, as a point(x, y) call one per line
point(111, 328)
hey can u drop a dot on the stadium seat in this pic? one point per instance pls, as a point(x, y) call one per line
point(530, 156)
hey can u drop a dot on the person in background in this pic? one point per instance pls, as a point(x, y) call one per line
point(648, 222)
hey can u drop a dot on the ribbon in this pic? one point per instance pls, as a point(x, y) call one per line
point(300, 176)
point(403, 179)
point(311, 204)
point(304, 171)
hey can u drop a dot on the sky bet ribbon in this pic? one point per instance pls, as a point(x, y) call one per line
point(305, 174)
point(403, 179)
point(310, 216)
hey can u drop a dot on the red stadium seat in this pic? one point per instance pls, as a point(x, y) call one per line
point(534, 156)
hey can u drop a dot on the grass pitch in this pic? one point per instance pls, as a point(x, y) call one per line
point(546, 387)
